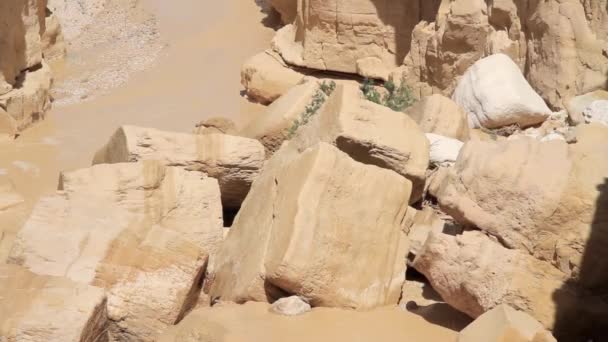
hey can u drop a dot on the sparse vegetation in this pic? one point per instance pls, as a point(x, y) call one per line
point(318, 99)
point(396, 97)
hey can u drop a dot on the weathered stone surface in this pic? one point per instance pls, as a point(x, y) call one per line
point(53, 43)
point(142, 231)
point(424, 222)
point(474, 274)
point(294, 240)
point(290, 306)
point(503, 323)
point(233, 161)
point(266, 77)
point(577, 105)
point(54, 309)
point(504, 189)
point(440, 115)
point(371, 134)
point(494, 93)
point(26, 104)
point(287, 8)
point(272, 128)
point(216, 125)
point(444, 150)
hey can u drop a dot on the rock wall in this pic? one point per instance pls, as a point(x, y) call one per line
point(561, 46)
point(28, 32)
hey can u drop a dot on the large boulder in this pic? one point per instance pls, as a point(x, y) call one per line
point(371, 134)
point(51, 309)
point(233, 161)
point(272, 128)
point(474, 274)
point(303, 236)
point(440, 115)
point(577, 105)
point(444, 150)
point(142, 231)
point(505, 189)
point(266, 77)
point(503, 323)
point(494, 93)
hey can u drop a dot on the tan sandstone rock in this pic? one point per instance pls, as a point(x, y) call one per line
point(266, 77)
point(503, 323)
point(303, 237)
point(371, 134)
point(142, 231)
point(505, 189)
point(272, 128)
point(233, 161)
point(440, 115)
point(51, 309)
point(216, 125)
point(287, 8)
point(474, 274)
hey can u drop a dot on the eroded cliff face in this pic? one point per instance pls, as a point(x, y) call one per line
point(560, 45)
point(28, 33)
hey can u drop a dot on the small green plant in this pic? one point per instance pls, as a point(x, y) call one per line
point(317, 101)
point(395, 97)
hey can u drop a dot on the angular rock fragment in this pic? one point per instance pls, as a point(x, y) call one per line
point(440, 115)
point(233, 161)
point(142, 231)
point(312, 236)
point(52, 309)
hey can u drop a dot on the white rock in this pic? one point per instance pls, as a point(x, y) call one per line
point(597, 111)
point(290, 306)
point(494, 93)
point(444, 150)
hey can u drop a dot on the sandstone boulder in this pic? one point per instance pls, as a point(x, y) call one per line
point(216, 125)
point(303, 237)
point(272, 128)
point(440, 115)
point(54, 309)
point(474, 274)
point(233, 161)
point(266, 77)
point(577, 105)
point(371, 134)
point(503, 323)
point(290, 306)
point(27, 103)
point(444, 150)
point(142, 231)
point(494, 93)
point(504, 189)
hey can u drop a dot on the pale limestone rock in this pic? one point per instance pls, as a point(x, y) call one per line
point(444, 150)
point(293, 240)
point(272, 128)
point(503, 323)
point(290, 306)
point(50, 309)
point(216, 125)
point(28, 103)
point(371, 134)
point(440, 115)
point(474, 274)
point(266, 77)
point(233, 161)
point(494, 94)
point(597, 111)
point(142, 231)
point(577, 105)
point(505, 189)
